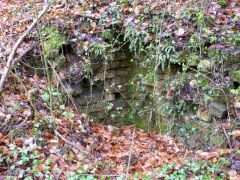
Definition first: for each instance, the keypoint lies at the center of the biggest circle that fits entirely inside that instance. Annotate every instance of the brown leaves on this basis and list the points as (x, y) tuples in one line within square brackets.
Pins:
[(180, 32), (236, 133), (149, 150), (214, 155)]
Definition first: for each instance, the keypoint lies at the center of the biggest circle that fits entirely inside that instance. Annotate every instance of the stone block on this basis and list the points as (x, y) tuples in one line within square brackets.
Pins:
[(157, 84), (116, 89), (193, 60), (122, 72), (109, 74), (203, 115), (116, 80), (119, 56), (119, 80), (218, 109), (95, 107), (235, 76), (205, 65), (74, 90), (109, 97), (90, 98), (98, 115), (120, 103), (119, 64)]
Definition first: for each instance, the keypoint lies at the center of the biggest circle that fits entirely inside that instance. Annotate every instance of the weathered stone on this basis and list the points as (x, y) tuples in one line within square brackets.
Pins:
[(227, 66), (122, 71), (109, 74), (119, 64), (99, 115), (53, 42), (234, 76), (116, 80), (90, 98), (236, 55), (119, 56), (120, 103), (172, 70), (109, 97), (203, 115), (95, 107), (119, 80), (218, 109), (205, 65), (193, 60), (74, 90)]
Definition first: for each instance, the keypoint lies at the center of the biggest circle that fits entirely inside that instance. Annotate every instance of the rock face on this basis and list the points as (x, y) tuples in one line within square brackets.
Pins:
[(111, 95)]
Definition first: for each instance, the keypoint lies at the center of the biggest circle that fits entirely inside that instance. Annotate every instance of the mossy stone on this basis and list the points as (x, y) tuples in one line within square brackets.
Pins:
[(218, 109), (193, 60), (53, 42), (217, 140), (205, 65), (235, 76)]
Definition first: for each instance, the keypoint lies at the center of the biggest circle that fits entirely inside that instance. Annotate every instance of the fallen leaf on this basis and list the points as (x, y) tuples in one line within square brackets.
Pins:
[(180, 32), (236, 133)]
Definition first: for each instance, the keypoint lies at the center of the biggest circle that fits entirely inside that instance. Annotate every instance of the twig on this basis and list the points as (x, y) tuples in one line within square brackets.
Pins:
[(22, 55), (10, 61), (24, 87), (12, 132), (129, 160), (69, 142), (64, 87), (227, 137)]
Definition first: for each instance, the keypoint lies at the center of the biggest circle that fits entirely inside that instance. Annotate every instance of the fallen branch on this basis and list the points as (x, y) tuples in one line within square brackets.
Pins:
[(69, 142), (10, 61), (227, 137)]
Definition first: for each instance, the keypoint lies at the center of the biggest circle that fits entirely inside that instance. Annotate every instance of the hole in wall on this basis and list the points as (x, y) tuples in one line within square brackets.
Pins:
[(66, 49), (118, 96), (235, 85)]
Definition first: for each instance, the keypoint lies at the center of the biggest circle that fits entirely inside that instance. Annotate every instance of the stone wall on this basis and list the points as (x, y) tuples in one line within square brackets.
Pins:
[(106, 98)]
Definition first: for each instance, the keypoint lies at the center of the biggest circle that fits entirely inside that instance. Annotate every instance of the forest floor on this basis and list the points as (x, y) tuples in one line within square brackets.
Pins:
[(30, 148)]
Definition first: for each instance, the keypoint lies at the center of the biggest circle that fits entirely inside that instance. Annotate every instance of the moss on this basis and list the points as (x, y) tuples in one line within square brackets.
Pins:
[(217, 140), (234, 76), (207, 22), (53, 43), (108, 35), (193, 60)]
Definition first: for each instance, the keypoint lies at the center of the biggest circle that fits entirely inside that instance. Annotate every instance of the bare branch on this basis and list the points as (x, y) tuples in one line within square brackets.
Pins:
[(10, 61)]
